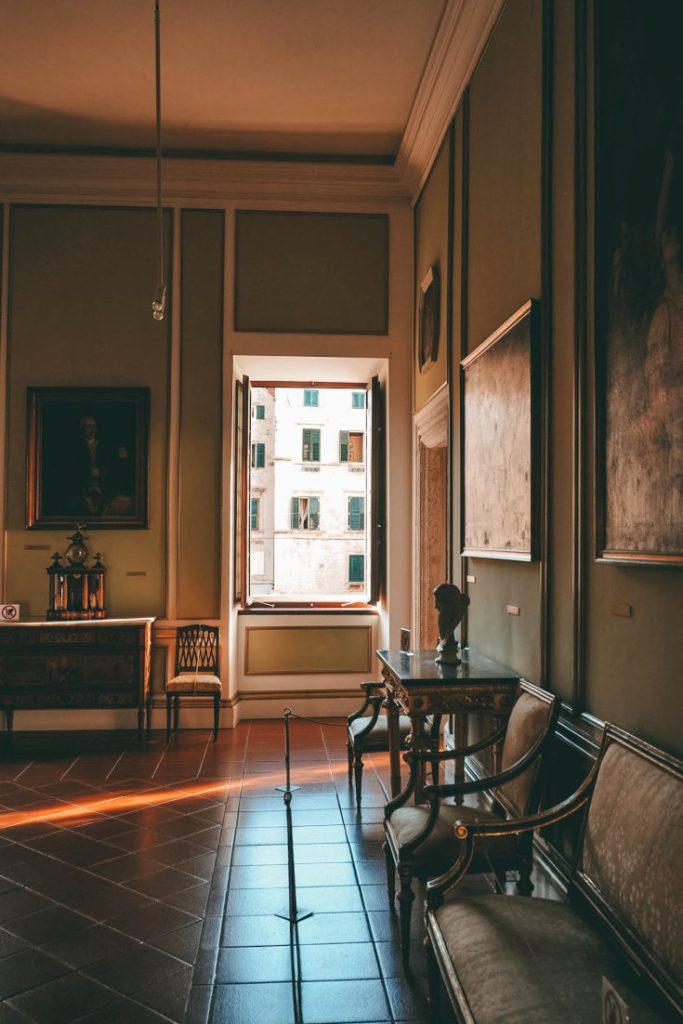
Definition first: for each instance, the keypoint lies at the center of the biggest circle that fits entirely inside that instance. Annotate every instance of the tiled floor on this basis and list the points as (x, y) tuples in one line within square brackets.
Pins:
[(142, 885)]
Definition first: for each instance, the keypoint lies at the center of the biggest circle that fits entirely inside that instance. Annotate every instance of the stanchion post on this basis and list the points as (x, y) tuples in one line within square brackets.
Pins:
[(293, 916)]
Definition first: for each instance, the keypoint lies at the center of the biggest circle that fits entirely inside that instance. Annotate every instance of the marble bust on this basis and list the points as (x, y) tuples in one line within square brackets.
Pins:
[(451, 604)]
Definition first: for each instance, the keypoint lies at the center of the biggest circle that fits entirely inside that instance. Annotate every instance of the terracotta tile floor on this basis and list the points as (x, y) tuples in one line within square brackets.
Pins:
[(142, 885)]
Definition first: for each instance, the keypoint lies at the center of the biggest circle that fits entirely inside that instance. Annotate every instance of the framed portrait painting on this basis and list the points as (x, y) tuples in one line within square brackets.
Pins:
[(500, 441), (639, 282), (87, 451)]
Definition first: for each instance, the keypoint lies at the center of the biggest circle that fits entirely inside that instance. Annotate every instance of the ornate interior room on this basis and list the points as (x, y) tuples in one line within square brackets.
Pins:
[(466, 213)]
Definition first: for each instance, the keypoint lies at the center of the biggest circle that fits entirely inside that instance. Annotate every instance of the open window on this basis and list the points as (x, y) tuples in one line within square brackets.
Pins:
[(311, 517)]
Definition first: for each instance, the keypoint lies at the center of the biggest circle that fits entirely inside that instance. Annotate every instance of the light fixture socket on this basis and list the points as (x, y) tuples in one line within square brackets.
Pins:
[(159, 303)]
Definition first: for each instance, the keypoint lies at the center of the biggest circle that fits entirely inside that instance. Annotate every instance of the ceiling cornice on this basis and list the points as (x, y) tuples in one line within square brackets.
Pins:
[(459, 42), (43, 177)]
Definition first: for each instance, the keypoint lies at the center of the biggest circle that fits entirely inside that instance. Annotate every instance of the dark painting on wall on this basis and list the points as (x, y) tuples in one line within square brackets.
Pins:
[(639, 295), (500, 453), (87, 457)]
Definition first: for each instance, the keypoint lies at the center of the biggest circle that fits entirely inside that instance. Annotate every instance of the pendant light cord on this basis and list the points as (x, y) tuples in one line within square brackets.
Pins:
[(159, 301)]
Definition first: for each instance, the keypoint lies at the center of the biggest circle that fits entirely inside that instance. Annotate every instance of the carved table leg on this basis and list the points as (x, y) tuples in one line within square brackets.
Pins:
[(460, 724), (394, 746)]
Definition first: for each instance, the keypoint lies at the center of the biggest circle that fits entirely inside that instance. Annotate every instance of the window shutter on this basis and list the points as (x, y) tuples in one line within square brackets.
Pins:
[(314, 513), (295, 513), (343, 446), (315, 444), (377, 436)]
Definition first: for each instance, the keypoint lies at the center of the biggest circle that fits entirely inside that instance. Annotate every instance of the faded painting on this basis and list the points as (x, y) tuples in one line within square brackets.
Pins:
[(498, 456), (639, 340)]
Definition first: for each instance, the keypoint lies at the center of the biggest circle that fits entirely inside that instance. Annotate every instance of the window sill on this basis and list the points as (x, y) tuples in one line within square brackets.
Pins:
[(309, 609)]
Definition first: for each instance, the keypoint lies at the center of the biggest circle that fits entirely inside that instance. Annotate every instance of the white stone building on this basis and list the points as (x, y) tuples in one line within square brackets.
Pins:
[(308, 499)]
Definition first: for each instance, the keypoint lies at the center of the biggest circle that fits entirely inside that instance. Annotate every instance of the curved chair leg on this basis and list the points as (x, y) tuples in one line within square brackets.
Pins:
[(169, 702), (358, 773), (216, 713), (391, 876), (405, 901), (349, 757)]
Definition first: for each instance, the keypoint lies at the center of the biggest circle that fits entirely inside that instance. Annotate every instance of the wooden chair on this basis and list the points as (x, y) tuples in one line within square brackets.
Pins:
[(368, 732), (420, 839), (196, 671)]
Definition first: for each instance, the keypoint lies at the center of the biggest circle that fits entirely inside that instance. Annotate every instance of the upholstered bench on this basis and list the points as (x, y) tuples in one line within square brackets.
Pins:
[(510, 960)]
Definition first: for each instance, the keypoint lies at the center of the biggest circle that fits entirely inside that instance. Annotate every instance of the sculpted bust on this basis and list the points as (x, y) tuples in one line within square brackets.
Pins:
[(451, 605)]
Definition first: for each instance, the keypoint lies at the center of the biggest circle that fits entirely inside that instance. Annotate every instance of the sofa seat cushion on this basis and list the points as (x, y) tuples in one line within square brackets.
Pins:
[(191, 682), (378, 738), (521, 960), (441, 846)]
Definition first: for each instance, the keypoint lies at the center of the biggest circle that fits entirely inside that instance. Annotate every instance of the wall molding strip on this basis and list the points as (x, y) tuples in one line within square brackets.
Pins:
[(4, 343), (459, 43)]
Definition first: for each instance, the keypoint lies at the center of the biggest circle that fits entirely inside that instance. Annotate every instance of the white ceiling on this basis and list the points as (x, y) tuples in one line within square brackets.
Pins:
[(238, 76)]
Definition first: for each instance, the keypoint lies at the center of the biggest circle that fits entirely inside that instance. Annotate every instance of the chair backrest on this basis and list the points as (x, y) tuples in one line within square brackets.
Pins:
[(532, 719), (197, 648), (631, 852)]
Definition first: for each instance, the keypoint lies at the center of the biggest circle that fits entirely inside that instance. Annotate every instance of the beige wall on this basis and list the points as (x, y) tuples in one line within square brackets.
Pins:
[(81, 282), (631, 668), (431, 249), (80, 287)]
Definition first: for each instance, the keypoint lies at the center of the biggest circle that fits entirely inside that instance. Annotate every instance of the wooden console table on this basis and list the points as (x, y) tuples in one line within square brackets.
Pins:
[(417, 686), (101, 663)]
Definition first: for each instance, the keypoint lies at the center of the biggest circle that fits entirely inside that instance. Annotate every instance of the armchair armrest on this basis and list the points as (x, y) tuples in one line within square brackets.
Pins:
[(491, 781), (434, 793), (450, 755), (369, 689), (469, 832)]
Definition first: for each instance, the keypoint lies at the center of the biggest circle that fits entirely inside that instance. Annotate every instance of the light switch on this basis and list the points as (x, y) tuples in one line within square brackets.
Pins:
[(513, 609), (624, 610)]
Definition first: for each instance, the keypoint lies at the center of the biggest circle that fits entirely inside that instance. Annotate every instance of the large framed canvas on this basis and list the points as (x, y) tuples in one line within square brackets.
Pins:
[(87, 457), (639, 282), (500, 459)]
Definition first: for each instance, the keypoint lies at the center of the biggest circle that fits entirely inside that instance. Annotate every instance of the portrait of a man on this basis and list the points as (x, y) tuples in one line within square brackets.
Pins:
[(87, 457)]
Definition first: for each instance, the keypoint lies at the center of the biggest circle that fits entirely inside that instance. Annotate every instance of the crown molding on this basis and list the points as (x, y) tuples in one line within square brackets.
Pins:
[(35, 177), (459, 42)]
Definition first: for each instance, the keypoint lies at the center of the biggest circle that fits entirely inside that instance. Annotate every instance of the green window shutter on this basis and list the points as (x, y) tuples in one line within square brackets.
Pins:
[(314, 513), (260, 455), (343, 446), (254, 513), (356, 514), (295, 513), (357, 399), (356, 568), (311, 397), (260, 412), (315, 444)]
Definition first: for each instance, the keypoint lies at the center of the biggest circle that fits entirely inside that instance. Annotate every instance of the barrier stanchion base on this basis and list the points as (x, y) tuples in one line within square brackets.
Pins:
[(301, 916), (286, 789)]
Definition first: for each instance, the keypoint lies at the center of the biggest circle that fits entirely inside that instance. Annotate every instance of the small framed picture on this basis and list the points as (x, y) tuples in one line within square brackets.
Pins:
[(405, 640), (428, 320)]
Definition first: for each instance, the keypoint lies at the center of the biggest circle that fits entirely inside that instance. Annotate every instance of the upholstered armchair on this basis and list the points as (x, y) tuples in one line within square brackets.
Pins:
[(420, 838), (368, 732), (196, 672)]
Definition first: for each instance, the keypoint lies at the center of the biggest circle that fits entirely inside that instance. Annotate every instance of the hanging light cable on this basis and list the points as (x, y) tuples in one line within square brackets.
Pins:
[(159, 300)]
